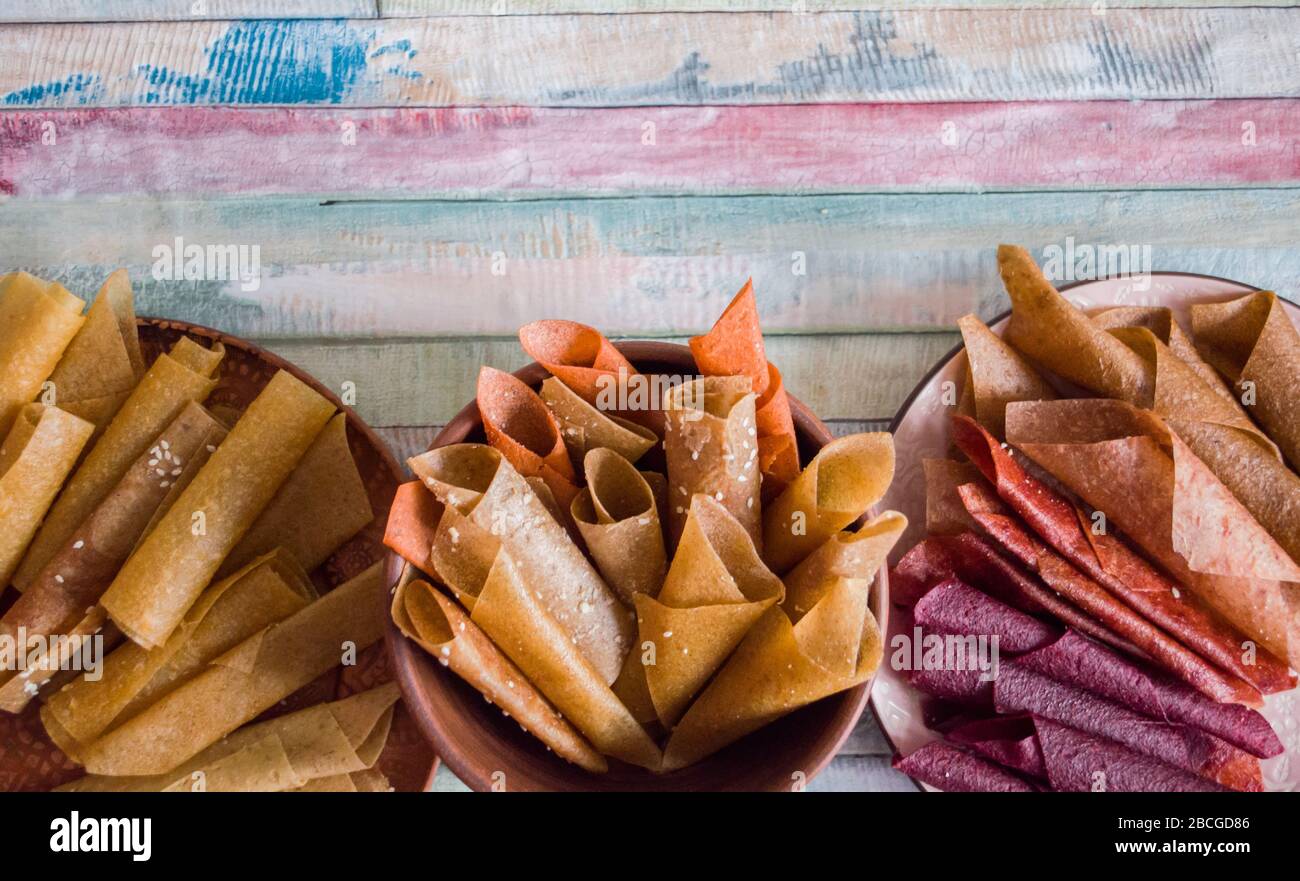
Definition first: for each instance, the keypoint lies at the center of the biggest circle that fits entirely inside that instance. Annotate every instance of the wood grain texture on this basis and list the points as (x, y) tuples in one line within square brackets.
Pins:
[(554, 153), (182, 10), (411, 8), (642, 267), (655, 59)]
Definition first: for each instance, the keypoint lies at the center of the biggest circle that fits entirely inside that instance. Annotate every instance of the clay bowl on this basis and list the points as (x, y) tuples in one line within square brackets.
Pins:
[(488, 751)]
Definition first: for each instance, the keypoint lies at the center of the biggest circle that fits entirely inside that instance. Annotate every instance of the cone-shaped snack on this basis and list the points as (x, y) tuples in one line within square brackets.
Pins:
[(265, 591), (711, 446), (633, 690), (38, 319), (1129, 466), (619, 521), (82, 569), (780, 667), (322, 505), (255, 675), (998, 375), (585, 428), (288, 752), (442, 629), (412, 522), (177, 378), (103, 362), (716, 589), (36, 457), (1160, 321), (519, 624), (579, 355), (173, 565), (1251, 340), (844, 479), (844, 555), (484, 488), (519, 424), (944, 512), (734, 347), (462, 554)]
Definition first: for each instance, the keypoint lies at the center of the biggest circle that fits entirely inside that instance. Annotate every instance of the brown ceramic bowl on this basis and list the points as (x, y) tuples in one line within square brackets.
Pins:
[(486, 750)]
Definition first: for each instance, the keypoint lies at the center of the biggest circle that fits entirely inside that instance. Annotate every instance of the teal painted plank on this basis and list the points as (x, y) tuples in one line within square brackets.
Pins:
[(181, 10)]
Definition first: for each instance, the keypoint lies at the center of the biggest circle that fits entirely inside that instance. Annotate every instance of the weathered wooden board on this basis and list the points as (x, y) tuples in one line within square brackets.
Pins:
[(183, 10), (552, 152), (670, 58), (398, 8), (644, 267)]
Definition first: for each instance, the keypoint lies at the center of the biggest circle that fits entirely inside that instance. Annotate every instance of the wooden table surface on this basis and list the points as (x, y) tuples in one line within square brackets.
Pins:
[(420, 177)]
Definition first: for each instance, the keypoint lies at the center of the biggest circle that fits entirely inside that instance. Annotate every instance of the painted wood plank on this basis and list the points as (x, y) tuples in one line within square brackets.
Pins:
[(413, 8), (554, 152), (184, 10), (643, 267), (669, 58)]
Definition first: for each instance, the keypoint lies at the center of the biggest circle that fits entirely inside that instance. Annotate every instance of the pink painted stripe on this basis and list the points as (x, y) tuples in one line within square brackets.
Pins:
[(537, 151)]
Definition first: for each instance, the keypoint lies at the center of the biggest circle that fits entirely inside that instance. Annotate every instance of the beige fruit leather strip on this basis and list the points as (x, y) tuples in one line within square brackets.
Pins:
[(317, 743), (711, 445), (780, 667), (584, 428), (267, 590), (38, 319), (103, 362), (443, 629), (998, 375), (1127, 464), (322, 505), (252, 677), (844, 479), (716, 588), (844, 555), (484, 488), (169, 570), (372, 780), (944, 512), (618, 518), (177, 378), (37, 455)]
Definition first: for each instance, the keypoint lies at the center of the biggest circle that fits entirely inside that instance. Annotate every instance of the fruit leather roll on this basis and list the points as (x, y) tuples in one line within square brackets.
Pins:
[(103, 362), (711, 447), (485, 490), (781, 666), (37, 455), (1077, 661), (38, 319), (372, 780), (441, 627), (412, 522), (618, 517), (242, 683), (948, 768), (998, 375), (716, 589), (944, 512), (734, 347), (288, 752), (1110, 562), (1128, 465), (593, 367), (177, 378), (166, 574), (265, 591), (1251, 340), (957, 608), (1080, 762), (846, 554), (844, 479), (1007, 740), (519, 424), (322, 505), (585, 428)]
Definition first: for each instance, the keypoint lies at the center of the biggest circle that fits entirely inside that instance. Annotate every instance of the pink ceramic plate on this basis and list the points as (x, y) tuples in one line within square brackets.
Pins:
[(921, 431)]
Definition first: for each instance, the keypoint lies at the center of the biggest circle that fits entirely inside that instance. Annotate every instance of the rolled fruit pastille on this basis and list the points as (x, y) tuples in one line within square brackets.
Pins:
[(716, 588), (857, 554), (998, 375), (38, 319), (267, 590), (441, 627), (169, 570), (412, 523), (250, 678), (179, 377), (711, 444), (484, 488), (288, 752), (37, 455), (844, 479), (585, 428), (618, 518), (519, 424)]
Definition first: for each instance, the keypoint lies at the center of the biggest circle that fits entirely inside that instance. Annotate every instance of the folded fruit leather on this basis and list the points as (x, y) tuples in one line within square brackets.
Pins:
[(1007, 740), (957, 608), (519, 424), (38, 319), (946, 767), (412, 524), (998, 374), (1107, 560), (1080, 762)]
